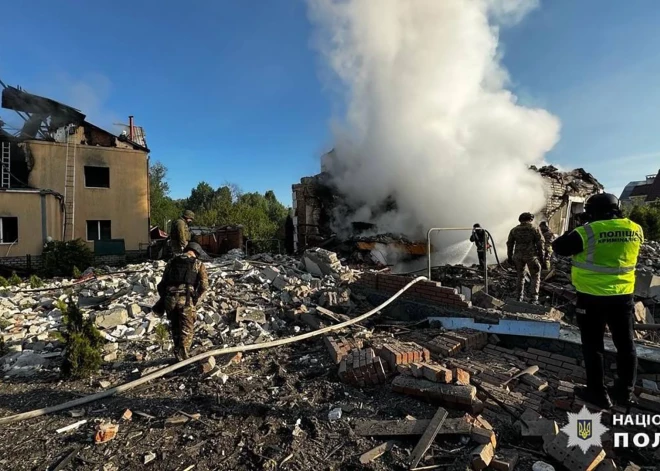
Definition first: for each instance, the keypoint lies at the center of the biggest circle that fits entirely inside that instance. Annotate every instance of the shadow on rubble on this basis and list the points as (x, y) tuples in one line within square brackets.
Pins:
[(158, 407)]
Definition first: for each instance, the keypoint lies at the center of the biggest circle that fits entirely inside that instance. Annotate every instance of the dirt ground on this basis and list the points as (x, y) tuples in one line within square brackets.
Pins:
[(247, 423)]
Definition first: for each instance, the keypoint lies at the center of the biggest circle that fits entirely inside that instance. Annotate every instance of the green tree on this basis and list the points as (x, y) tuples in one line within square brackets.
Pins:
[(163, 208), (647, 216)]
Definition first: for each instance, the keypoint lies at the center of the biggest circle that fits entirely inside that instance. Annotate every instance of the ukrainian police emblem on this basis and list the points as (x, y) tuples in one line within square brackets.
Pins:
[(584, 429)]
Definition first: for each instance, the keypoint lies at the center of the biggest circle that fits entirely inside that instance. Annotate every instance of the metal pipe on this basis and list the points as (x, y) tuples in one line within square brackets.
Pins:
[(428, 250), (130, 127)]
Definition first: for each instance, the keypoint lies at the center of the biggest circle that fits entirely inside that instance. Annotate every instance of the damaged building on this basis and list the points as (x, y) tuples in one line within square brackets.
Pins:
[(315, 201), (64, 178), (566, 193)]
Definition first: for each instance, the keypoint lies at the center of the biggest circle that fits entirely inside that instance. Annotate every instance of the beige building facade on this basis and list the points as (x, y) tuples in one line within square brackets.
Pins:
[(76, 182)]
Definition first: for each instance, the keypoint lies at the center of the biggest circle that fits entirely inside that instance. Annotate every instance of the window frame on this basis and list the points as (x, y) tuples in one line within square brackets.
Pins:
[(98, 229), (2, 222), (85, 167)]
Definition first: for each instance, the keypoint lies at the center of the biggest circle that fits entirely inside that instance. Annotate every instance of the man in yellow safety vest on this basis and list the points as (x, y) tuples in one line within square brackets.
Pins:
[(604, 252)]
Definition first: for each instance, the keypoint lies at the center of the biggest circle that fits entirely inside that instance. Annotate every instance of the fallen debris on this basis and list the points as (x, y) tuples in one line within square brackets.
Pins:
[(105, 432), (427, 437), (375, 453), (73, 426)]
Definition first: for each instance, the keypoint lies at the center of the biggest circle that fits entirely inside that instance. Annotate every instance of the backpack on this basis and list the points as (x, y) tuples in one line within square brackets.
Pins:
[(182, 271)]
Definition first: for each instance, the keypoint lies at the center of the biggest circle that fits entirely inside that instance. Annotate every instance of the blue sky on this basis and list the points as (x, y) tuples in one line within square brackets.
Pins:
[(229, 91)]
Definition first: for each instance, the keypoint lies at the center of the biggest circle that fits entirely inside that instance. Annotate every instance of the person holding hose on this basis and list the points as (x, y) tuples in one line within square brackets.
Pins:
[(605, 251)]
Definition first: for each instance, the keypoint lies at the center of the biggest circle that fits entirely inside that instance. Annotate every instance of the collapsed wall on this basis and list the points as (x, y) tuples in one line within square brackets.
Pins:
[(566, 193)]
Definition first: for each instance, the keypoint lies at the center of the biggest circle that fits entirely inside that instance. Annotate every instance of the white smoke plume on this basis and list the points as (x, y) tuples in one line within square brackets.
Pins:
[(426, 116)]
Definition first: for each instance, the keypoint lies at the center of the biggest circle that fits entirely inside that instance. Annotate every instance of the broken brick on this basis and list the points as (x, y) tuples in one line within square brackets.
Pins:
[(504, 463), (362, 368), (436, 373), (482, 456), (483, 436), (105, 432), (460, 376), (207, 365)]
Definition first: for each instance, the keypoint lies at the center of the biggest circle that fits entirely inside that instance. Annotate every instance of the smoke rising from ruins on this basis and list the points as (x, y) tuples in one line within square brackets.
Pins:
[(426, 116)]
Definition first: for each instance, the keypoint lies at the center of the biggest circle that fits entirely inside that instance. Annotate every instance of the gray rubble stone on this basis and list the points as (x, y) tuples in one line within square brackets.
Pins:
[(111, 318), (29, 359), (279, 283), (134, 310), (110, 347), (270, 273), (110, 357)]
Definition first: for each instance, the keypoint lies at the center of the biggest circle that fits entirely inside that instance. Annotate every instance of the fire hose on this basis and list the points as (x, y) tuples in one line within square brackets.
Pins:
[(223, 351)]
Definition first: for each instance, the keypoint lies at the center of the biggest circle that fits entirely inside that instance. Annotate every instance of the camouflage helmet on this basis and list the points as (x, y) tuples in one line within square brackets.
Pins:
[(526, 217), (188, 214), (195, 247), (199, 251)]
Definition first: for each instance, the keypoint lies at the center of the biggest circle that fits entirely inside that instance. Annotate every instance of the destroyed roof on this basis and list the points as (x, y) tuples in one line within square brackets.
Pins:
[(549, 171), (19, 100), (61, 115)]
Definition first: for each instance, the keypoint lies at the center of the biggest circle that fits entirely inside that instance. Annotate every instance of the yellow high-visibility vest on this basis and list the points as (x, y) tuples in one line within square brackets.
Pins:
[(606, 266)]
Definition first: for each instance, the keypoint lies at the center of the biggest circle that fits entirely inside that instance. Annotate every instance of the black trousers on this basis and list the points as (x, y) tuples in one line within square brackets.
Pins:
[(482, 257), (618, 313)]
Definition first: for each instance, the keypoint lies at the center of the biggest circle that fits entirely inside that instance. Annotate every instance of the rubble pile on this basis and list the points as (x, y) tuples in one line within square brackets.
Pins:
[(249, 301), (526, 392), (649, 258)]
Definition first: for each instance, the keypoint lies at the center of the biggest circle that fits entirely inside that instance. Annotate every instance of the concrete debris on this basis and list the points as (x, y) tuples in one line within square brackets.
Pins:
[(111, 318), (249, 300), (542, 466), (334, 414)]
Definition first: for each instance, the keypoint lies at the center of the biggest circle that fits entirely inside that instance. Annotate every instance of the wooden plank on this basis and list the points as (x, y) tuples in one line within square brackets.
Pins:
[(394, 428), (427, 437), (530, 370), (374, 453)]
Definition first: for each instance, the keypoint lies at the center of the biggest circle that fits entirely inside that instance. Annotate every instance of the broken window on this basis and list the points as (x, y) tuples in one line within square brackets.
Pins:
[(8, 230), (98, 230), (97, 177)]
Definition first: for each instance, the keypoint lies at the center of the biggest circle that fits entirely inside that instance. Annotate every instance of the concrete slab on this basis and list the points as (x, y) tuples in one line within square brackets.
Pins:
[(504, 326)]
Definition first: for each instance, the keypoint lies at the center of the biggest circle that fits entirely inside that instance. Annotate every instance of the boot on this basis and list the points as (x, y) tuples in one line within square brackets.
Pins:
[(601, 400), (535, 300), (621, 396)]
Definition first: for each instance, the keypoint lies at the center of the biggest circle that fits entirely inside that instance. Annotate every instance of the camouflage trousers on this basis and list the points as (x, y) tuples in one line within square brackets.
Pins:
[(181, 315), (534, 266)]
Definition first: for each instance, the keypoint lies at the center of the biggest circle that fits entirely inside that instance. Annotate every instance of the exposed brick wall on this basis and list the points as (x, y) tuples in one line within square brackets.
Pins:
[(136, 256), (25, 262), (110, 260), (427, 291)]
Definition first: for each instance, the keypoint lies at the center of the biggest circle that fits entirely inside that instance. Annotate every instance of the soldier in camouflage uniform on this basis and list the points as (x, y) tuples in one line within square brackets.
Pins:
[(525, 249), (184, 281), (548, 238), (180, 235)]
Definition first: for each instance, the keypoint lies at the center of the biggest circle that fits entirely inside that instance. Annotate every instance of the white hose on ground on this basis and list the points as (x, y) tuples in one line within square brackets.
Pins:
[(201, 356)]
